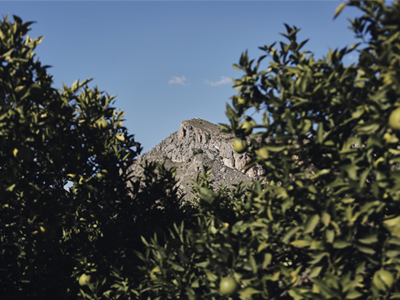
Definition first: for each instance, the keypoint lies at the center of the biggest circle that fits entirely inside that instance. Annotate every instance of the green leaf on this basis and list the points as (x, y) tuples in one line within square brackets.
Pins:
[(231, 114), (289, 234), (267, 260), (358, 112), (238, 67), (262, 246), (315, 271), (339, 9), (393, 225), (392, 253), (326, 219), (320, 133), (273, 148), (247, 292), (352, 47), (369, 238), (317, 245), (363, 177), (368, 129), (320, 173), (296, 294), (353, 294), (211, 276), (318, 257), (7, 54), (330, 235), (253, 264), (144, 241), (394, 241), (177, 267), (203, 264), (293, 70), (340, 244), (312, 189), (75, 86), (311, 223), (366, 250), (323, 287), (395, 295), (140, 255), (300, 243), (351, 170)]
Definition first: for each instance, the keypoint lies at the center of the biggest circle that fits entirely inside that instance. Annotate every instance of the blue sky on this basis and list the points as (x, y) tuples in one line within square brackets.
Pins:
[(170, 61)]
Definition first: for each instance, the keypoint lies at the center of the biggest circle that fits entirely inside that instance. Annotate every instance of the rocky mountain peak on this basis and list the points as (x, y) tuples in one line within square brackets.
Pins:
[(196, 143)]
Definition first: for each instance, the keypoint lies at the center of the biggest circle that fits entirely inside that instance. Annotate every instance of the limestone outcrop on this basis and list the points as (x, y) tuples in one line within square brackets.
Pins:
[(196, 143)]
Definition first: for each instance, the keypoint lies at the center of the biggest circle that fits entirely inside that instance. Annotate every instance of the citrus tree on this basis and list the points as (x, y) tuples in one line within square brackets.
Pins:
[(327, 223), (68, 220)]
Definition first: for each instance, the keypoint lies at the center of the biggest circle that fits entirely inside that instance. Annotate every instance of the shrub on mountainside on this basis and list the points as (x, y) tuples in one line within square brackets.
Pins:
[(327, 226)]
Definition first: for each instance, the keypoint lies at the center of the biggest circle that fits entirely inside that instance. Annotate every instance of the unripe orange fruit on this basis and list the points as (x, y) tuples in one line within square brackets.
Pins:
[(248, 126), (84, 279), (240, 145), (394, 119), (228, 286), (263, 153)]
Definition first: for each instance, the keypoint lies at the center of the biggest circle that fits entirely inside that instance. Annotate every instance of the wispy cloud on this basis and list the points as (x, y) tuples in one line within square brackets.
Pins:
[(178, 80), (224, 80), (352, 57)]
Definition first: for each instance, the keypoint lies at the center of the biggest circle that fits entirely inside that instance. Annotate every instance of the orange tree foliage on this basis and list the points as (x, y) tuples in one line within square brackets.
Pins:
[(51, 232), (327, 226)]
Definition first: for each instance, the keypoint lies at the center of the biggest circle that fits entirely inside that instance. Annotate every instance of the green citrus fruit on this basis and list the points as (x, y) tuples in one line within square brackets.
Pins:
[(240, 145), (228, 286), (247, 126), (84, 279), (263, 153), (394, 119), (153, 274)]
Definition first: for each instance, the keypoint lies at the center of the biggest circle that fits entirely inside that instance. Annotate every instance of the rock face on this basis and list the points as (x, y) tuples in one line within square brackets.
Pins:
[(196, 143)]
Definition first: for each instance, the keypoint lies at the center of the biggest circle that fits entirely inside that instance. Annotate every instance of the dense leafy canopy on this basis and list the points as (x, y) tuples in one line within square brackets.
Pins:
[(51, 233), (324, 225)]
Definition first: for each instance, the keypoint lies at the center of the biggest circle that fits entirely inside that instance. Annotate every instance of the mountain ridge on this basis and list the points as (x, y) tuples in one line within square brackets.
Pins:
[(196, 143)]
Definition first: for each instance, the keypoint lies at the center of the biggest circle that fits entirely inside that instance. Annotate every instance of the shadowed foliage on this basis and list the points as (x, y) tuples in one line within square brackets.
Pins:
[(325, 226)]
